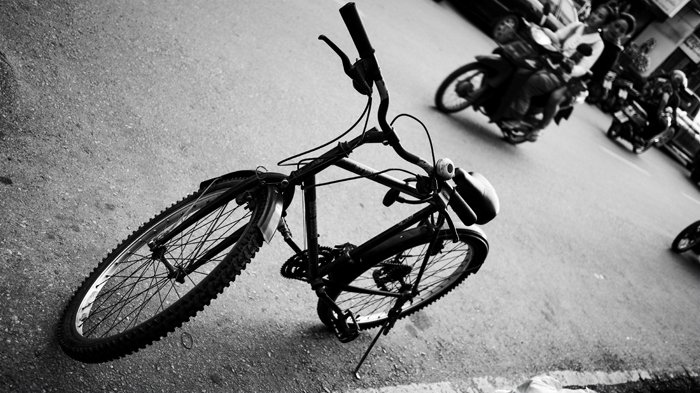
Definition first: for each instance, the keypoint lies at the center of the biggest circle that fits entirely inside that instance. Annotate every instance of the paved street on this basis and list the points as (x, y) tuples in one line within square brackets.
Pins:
[(128, 105)]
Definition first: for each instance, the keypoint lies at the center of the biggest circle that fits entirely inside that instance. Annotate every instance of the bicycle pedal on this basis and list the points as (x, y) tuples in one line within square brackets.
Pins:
[(344, 331)]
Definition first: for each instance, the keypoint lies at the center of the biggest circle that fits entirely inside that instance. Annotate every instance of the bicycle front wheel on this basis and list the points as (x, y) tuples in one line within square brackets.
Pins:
[(397, 264), (147, 287)]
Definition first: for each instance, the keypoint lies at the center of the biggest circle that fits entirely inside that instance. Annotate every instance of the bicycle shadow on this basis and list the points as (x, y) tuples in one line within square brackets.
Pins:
[(249, 354), (280, 355)]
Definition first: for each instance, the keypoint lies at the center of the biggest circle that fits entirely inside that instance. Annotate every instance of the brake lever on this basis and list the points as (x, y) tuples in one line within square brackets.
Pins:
[(347, 66), (356, 72)]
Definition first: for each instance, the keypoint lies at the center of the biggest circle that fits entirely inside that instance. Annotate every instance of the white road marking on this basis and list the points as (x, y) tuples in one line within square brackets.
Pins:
[(624, 160), (691, 198)]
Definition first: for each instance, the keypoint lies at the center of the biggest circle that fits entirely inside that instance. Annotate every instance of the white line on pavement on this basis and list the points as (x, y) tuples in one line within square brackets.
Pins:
[(620, 158), (691, 198)]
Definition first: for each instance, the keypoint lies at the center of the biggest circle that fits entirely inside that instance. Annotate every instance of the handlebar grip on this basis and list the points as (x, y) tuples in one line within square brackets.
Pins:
[(357, 31)]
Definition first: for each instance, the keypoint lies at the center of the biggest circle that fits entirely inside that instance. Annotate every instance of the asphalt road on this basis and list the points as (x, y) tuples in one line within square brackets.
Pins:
[(126, 106)]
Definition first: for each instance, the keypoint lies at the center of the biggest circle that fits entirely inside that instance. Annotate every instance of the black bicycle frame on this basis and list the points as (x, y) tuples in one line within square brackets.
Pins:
[(306, 178)]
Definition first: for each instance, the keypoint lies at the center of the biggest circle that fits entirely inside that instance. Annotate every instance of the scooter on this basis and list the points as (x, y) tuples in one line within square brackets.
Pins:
[(619, 91), (631, 119), (482, 84)]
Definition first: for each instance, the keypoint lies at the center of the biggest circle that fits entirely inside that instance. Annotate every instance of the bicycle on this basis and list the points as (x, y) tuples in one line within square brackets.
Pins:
[(171, 267)]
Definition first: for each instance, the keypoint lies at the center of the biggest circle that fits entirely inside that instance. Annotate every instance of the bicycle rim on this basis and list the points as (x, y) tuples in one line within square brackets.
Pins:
[(134, 298), (449, 264)]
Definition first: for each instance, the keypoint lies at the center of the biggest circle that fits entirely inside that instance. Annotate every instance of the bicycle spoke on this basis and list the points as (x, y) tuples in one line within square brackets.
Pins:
[(441, 270)]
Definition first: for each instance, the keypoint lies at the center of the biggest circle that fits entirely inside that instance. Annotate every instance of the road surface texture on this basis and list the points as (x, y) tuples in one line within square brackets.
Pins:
[(119, 108)]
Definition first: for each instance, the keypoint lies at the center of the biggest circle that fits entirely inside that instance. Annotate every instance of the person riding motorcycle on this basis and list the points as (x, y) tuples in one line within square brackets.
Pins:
[(547, 82), (662, 93)]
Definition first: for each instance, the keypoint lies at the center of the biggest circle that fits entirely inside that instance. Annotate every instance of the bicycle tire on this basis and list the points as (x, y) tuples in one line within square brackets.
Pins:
[(129, 301), (449, 85), (372, 310), (687, 239)]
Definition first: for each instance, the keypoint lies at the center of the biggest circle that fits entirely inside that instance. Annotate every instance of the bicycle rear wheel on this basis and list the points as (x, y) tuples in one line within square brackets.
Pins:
[(141, 292), (397, 263)]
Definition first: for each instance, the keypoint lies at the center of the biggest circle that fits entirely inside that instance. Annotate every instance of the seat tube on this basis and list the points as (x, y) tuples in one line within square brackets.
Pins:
[(311, 230)]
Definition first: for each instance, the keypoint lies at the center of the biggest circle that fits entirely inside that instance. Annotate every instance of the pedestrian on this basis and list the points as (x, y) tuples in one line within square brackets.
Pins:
[(613, 36)]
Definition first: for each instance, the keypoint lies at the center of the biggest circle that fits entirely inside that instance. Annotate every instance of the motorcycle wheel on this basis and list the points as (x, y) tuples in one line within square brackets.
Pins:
[(447, 99), (637, 149), (687, 239), (614, 130), (515, 136), (695, 175), (665, 138)]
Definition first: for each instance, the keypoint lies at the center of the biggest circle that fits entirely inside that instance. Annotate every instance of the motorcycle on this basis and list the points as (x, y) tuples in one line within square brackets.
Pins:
[(688, 239), (482, 84), (631, 120), (600, 92), (619, 91)]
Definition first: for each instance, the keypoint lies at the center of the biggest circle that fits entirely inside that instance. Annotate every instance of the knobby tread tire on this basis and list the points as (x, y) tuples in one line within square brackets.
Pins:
[(477, 241), (157, 327)]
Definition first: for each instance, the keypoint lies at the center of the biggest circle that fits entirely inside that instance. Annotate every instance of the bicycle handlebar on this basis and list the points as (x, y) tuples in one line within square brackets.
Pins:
[(357, 31), (364, 48)]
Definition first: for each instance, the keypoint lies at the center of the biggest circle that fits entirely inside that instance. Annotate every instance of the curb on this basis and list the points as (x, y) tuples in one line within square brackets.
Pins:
[(679, 380)]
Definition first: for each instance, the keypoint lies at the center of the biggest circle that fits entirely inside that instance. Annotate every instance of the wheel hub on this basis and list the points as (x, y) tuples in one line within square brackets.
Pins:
[(464, 88)]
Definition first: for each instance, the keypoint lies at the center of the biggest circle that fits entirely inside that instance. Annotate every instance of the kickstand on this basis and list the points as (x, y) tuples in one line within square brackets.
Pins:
[(369, 349), (393, 316)]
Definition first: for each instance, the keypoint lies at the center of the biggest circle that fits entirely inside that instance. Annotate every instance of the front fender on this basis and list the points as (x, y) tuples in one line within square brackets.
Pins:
[(272, 213), (277, 197)]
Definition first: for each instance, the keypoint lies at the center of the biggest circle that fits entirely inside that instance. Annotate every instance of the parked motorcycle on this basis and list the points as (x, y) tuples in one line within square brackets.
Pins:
[(688, 239), (630, 122), (482, 84)]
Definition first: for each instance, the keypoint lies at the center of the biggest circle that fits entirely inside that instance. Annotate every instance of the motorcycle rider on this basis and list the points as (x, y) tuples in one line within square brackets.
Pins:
[(546, 82), (660, 96)]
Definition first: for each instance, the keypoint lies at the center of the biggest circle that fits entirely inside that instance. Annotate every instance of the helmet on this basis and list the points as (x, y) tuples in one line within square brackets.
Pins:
[(679, 79)]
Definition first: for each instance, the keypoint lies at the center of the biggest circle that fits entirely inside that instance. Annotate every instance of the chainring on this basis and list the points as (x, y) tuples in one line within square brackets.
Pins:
[(296, 267)]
